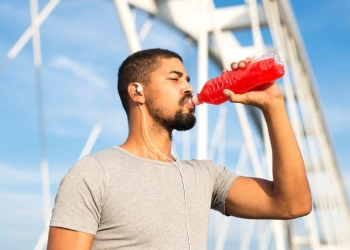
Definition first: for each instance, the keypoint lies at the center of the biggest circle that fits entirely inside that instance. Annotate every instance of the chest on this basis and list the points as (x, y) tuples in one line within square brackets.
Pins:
[(149, 205)]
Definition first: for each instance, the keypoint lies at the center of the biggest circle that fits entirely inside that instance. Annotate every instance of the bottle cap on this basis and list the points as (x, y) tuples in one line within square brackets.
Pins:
[(195, 100)]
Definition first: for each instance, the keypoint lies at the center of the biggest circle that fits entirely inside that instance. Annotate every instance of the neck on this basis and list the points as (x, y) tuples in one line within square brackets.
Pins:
[(149, 147), (148, 140)]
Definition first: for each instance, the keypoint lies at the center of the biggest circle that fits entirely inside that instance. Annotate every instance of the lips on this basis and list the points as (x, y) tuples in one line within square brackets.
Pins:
[(189, 101)]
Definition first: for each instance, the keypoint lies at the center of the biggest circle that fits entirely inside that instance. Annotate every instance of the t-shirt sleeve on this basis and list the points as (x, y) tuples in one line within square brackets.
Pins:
[(223, 179), (80, 197)]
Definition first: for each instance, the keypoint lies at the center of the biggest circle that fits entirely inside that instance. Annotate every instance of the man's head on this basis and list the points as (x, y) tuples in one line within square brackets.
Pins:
[(138, 68), (166, 90)]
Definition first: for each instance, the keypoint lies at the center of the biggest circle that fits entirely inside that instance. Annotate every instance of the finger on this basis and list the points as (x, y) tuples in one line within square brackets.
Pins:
[(248, 60), (241, 64), (234, 65), (224, 71), (236, 98)]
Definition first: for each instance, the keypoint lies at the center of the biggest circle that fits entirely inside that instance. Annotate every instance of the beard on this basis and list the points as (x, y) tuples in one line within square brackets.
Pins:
[(181, 121)]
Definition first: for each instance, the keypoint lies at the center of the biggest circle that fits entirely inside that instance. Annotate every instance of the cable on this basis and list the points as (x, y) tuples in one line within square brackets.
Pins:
[(178, 166), (185, 194)]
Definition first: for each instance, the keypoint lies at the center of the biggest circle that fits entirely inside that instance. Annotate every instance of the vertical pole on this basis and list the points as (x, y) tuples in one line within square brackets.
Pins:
[(202, 129), (41, 122), (128, 24), (34, 11)]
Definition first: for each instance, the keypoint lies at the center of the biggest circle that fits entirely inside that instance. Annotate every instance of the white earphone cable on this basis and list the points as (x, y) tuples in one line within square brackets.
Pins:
[(178, 166), (185, 194)]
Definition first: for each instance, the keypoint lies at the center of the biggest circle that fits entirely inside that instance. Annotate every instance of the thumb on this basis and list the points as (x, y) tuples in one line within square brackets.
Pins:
[(234, 97)]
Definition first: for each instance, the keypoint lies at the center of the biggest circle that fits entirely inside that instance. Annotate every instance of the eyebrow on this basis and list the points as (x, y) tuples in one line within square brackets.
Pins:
[(180, 74)]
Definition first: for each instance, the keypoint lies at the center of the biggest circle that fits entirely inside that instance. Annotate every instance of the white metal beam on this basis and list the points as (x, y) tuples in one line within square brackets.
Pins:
[(30, 31), (45, 179), (128, 24)]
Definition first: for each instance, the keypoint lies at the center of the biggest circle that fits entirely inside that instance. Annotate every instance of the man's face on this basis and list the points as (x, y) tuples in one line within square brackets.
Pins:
[(168, 96)]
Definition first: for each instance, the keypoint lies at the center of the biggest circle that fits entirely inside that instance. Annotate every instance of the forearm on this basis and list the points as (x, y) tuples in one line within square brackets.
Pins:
[(291, 189)]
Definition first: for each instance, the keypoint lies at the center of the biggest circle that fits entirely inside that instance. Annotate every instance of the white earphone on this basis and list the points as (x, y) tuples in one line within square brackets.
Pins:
[(139, 87)]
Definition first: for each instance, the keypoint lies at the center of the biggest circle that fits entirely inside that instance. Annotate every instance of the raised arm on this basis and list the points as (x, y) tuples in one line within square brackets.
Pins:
[(288, 195), (63, 239)]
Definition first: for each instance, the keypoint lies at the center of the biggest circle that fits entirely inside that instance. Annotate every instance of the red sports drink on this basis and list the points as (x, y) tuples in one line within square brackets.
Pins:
[(265, 69)]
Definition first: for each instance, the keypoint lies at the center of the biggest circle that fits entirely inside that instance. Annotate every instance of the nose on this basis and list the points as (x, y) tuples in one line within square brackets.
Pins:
[(188, 89)]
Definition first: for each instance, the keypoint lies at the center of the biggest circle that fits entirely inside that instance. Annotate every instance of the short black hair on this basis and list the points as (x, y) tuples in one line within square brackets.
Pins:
[(138, 68)]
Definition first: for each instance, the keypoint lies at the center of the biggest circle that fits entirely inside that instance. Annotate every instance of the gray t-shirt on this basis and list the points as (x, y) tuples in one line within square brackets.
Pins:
[(129, 202)]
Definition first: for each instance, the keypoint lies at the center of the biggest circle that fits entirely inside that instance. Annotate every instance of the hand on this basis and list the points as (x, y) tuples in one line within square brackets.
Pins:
[(260, 97)]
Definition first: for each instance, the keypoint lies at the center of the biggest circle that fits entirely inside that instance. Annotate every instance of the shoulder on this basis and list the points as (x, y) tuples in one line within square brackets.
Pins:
[(210, 168), (112, 155), (199, 163), (204, 165), (110, 162), (99, 161), (93, 166), (106, 155)]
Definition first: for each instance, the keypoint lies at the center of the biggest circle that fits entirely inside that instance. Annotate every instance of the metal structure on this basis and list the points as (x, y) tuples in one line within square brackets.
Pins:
[(327, 227), (213, 29)]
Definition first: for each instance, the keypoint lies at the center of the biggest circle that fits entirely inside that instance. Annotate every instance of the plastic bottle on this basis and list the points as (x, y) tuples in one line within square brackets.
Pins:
[(265, 69)]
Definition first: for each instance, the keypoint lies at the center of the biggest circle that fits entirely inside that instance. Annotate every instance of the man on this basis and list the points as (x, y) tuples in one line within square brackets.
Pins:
[(140, 196)]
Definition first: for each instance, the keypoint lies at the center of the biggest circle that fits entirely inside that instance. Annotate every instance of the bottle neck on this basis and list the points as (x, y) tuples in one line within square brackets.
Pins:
[(195, 100)]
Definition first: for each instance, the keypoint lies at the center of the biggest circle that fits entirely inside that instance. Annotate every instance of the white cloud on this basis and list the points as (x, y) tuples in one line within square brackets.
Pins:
[(84, 72), (22, 219), (21, 209), (25, 176), (89, 26), (78, 98), (14, 176)]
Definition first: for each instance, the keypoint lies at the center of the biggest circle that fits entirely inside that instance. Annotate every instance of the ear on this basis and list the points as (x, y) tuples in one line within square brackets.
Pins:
[(135, 95)]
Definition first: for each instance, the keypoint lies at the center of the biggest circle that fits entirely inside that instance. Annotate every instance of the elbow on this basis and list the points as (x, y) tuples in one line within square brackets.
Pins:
[(298, 210), (298, 205), (308, 207)]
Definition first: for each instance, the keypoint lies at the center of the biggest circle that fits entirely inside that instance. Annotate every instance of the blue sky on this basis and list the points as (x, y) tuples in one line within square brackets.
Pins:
[(82, 48)]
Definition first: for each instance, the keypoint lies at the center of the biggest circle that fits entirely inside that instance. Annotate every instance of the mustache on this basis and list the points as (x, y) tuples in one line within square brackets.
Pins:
[(185, 98)]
